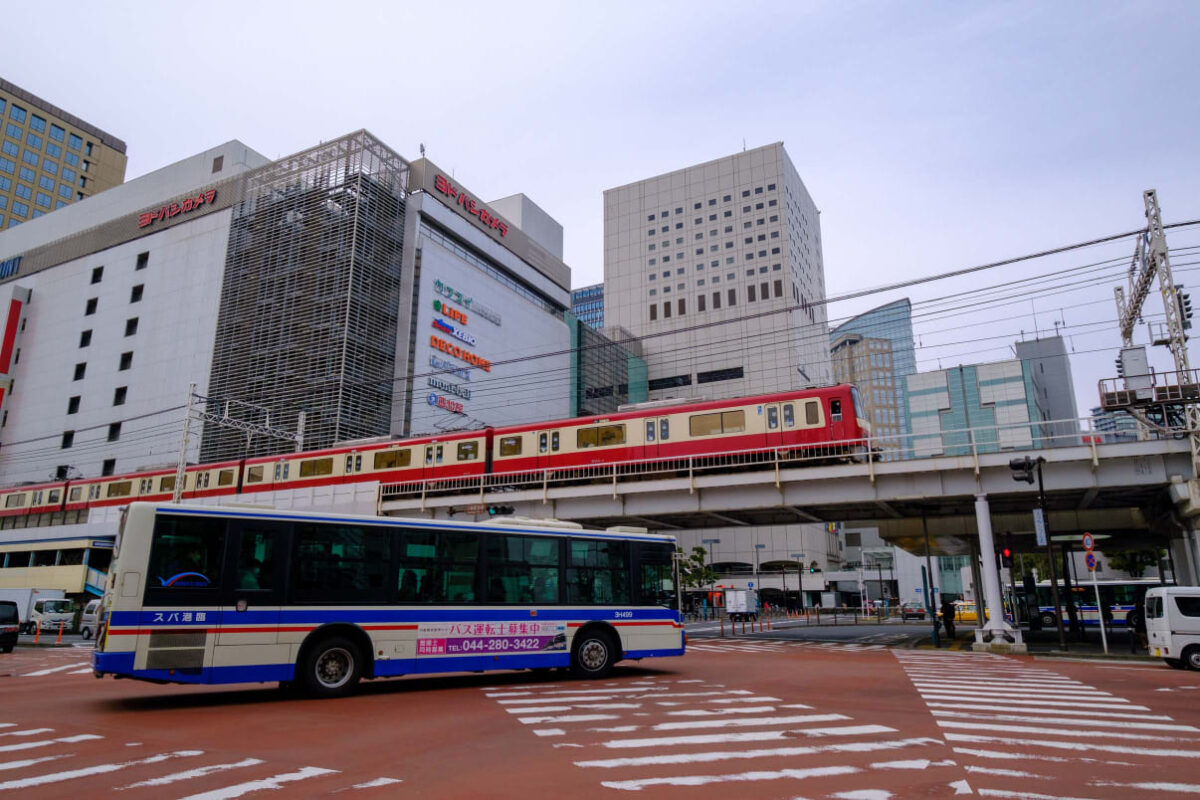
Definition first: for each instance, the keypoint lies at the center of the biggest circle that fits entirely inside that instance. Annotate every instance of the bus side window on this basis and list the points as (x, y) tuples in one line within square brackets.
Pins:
[(835, 410)]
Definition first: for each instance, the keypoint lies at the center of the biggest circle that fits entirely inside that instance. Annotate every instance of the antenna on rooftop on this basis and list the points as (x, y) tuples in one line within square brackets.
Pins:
[(422, 149)]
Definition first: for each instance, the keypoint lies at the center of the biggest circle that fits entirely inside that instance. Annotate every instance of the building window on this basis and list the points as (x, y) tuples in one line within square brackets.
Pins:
[(700, 303), (653, 312), (135, 296), (732, 297), (110, 466), (716, 298), (97, 274), (131, 326), (681, 304), (778, 287), (114, 432), (68, 439), (218, 163), (143, 260), (667, 310), (119, 395), (80, 369), (126, 361), (749, 294), (85, 338), (73, 404)]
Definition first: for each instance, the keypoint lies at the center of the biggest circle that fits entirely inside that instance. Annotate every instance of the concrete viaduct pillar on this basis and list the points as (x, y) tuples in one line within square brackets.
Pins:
[(994, 632)]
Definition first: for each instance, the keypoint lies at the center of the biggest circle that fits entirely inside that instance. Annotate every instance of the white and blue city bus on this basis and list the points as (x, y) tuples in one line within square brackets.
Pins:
[(206, 594)]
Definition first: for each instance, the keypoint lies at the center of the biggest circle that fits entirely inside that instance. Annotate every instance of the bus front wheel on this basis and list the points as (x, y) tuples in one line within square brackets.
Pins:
[(593, 654), (331, 667)]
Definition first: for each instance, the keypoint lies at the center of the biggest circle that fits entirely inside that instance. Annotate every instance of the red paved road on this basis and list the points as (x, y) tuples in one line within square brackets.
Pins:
[(732, 720)]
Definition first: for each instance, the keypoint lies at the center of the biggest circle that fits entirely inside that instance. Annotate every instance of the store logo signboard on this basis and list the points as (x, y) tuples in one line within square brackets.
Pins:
[(446, 327), (450, 368), (445, 403), (466, 301), (9, 267), (188, 204), (464, 201)]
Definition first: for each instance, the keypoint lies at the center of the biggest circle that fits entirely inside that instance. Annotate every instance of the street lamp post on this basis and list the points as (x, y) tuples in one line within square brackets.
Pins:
[(1022, 469), (799, 577), (757, 582), (713, 580)]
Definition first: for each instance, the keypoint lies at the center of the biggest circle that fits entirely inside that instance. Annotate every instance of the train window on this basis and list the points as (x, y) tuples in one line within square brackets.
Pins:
[(358, 463), (733, 421), (554, 441), (286, 466), (664, 429), (772, 417), (812, 413), (704, 424), (650, 430), (349, 464), (433, 457), (225, 478), (316, 466), (54, 495), (14, 500), (541, 443), (120, 489), (74, 494), (789, 415), (603, 436), (390, 459), (835, 410), (468, 451), (277, 471), (166, 484), (207, 476), (511, 445), (254, 475)]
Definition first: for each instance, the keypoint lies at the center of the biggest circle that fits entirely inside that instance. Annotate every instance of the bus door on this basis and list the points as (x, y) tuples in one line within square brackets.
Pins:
[(549, 445), (837, 415), (658, 436), (773, 415), (253, 595)]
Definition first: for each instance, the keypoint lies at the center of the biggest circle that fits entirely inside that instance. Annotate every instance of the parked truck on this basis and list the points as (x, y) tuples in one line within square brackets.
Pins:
[(741, 604), (49, 607)]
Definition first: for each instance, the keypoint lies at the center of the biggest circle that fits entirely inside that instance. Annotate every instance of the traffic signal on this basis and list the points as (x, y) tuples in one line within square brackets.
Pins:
[(1005, 557), (1022, 468), (1184, 302), (499, 511)]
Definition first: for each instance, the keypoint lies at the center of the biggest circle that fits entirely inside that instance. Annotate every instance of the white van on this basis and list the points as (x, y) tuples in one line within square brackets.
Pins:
[(1173, 625), (90, 619)]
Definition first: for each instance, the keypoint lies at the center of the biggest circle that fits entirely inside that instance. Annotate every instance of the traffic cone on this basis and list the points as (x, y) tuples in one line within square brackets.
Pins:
[(60, 630), (38, 633)]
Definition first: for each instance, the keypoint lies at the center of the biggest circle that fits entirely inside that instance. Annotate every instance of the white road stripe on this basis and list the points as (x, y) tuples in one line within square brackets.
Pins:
[(1111, 702), (716, 712), (748, 723), (775, 752), (1079, 746), (550, 732), (41, 672), (744, 700), (588, 706), (568, 718), (273, 782), (376, 782), (1005, 773), (1010, 756), (84, 671), (702, 780), (545, 700), (1150, 726), (99, 769), (28, 732), (83, 737), (1153, 786), (752, 736), (1058, 731), (29, 762), (1040, 708), (1003, 691), (1028, 795), (199, 772), (971, 698)]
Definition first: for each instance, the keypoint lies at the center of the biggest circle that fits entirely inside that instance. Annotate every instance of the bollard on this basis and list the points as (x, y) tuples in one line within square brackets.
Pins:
[(60, 630), (768, 623), (722, 627), (743, 626), (38, 632)]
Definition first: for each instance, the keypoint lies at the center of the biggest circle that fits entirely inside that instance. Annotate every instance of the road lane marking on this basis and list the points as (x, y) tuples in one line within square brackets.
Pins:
[(28, 732), (83, 737), (1006, 773), (1150, 726), (1041, 708), (29, 762), (376, 782), (774, 752), (703, 780), (98, 769), (716, 712), (1153, 786), (589, 706), (199, 772), (754, 736), (549, 732), (975, 698), (748, 723), (1058, 731), (1078, 746), (41, 672), (274, 782), (568, 718)]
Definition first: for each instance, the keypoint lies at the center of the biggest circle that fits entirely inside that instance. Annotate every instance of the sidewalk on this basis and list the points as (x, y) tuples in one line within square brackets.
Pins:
[(1045, 642)]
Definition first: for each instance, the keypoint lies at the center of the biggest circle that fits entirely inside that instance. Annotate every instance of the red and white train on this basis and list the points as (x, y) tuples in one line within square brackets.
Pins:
[(829, 421)]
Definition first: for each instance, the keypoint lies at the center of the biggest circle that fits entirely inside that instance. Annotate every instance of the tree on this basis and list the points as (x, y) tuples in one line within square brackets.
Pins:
[(1134, 561), (694, 572)]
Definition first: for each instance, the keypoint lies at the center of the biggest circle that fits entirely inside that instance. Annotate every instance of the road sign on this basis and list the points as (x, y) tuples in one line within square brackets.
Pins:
[(1091, 561), (919, 590), (750, 584), (1089, 542), (1039, 524)]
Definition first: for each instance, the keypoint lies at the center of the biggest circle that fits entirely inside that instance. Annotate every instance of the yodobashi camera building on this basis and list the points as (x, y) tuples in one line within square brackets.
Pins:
[(378, 297)]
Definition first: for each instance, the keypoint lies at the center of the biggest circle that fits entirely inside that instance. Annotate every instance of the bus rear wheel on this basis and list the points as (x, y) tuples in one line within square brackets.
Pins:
[(1191, 657), (592, 654), (1048, 620), (331, 668)]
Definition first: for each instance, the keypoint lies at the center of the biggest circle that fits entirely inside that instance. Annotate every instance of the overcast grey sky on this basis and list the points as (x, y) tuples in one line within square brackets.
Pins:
[(932, 136)]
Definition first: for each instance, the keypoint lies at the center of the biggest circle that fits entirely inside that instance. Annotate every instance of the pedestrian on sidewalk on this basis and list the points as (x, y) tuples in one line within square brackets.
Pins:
[(948, 619)]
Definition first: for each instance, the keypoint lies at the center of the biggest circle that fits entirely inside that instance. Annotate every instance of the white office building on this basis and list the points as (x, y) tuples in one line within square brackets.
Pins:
[(718, 268)]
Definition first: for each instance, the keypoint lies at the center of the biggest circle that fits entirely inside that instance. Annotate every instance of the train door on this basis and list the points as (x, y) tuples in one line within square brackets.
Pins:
[(774, 424), (548, 446), (788, 413), (837, 414), (658, 437), (434, 458)]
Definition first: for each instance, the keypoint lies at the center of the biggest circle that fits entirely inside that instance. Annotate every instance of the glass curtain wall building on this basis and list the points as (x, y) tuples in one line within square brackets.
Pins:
[(892, 322)]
